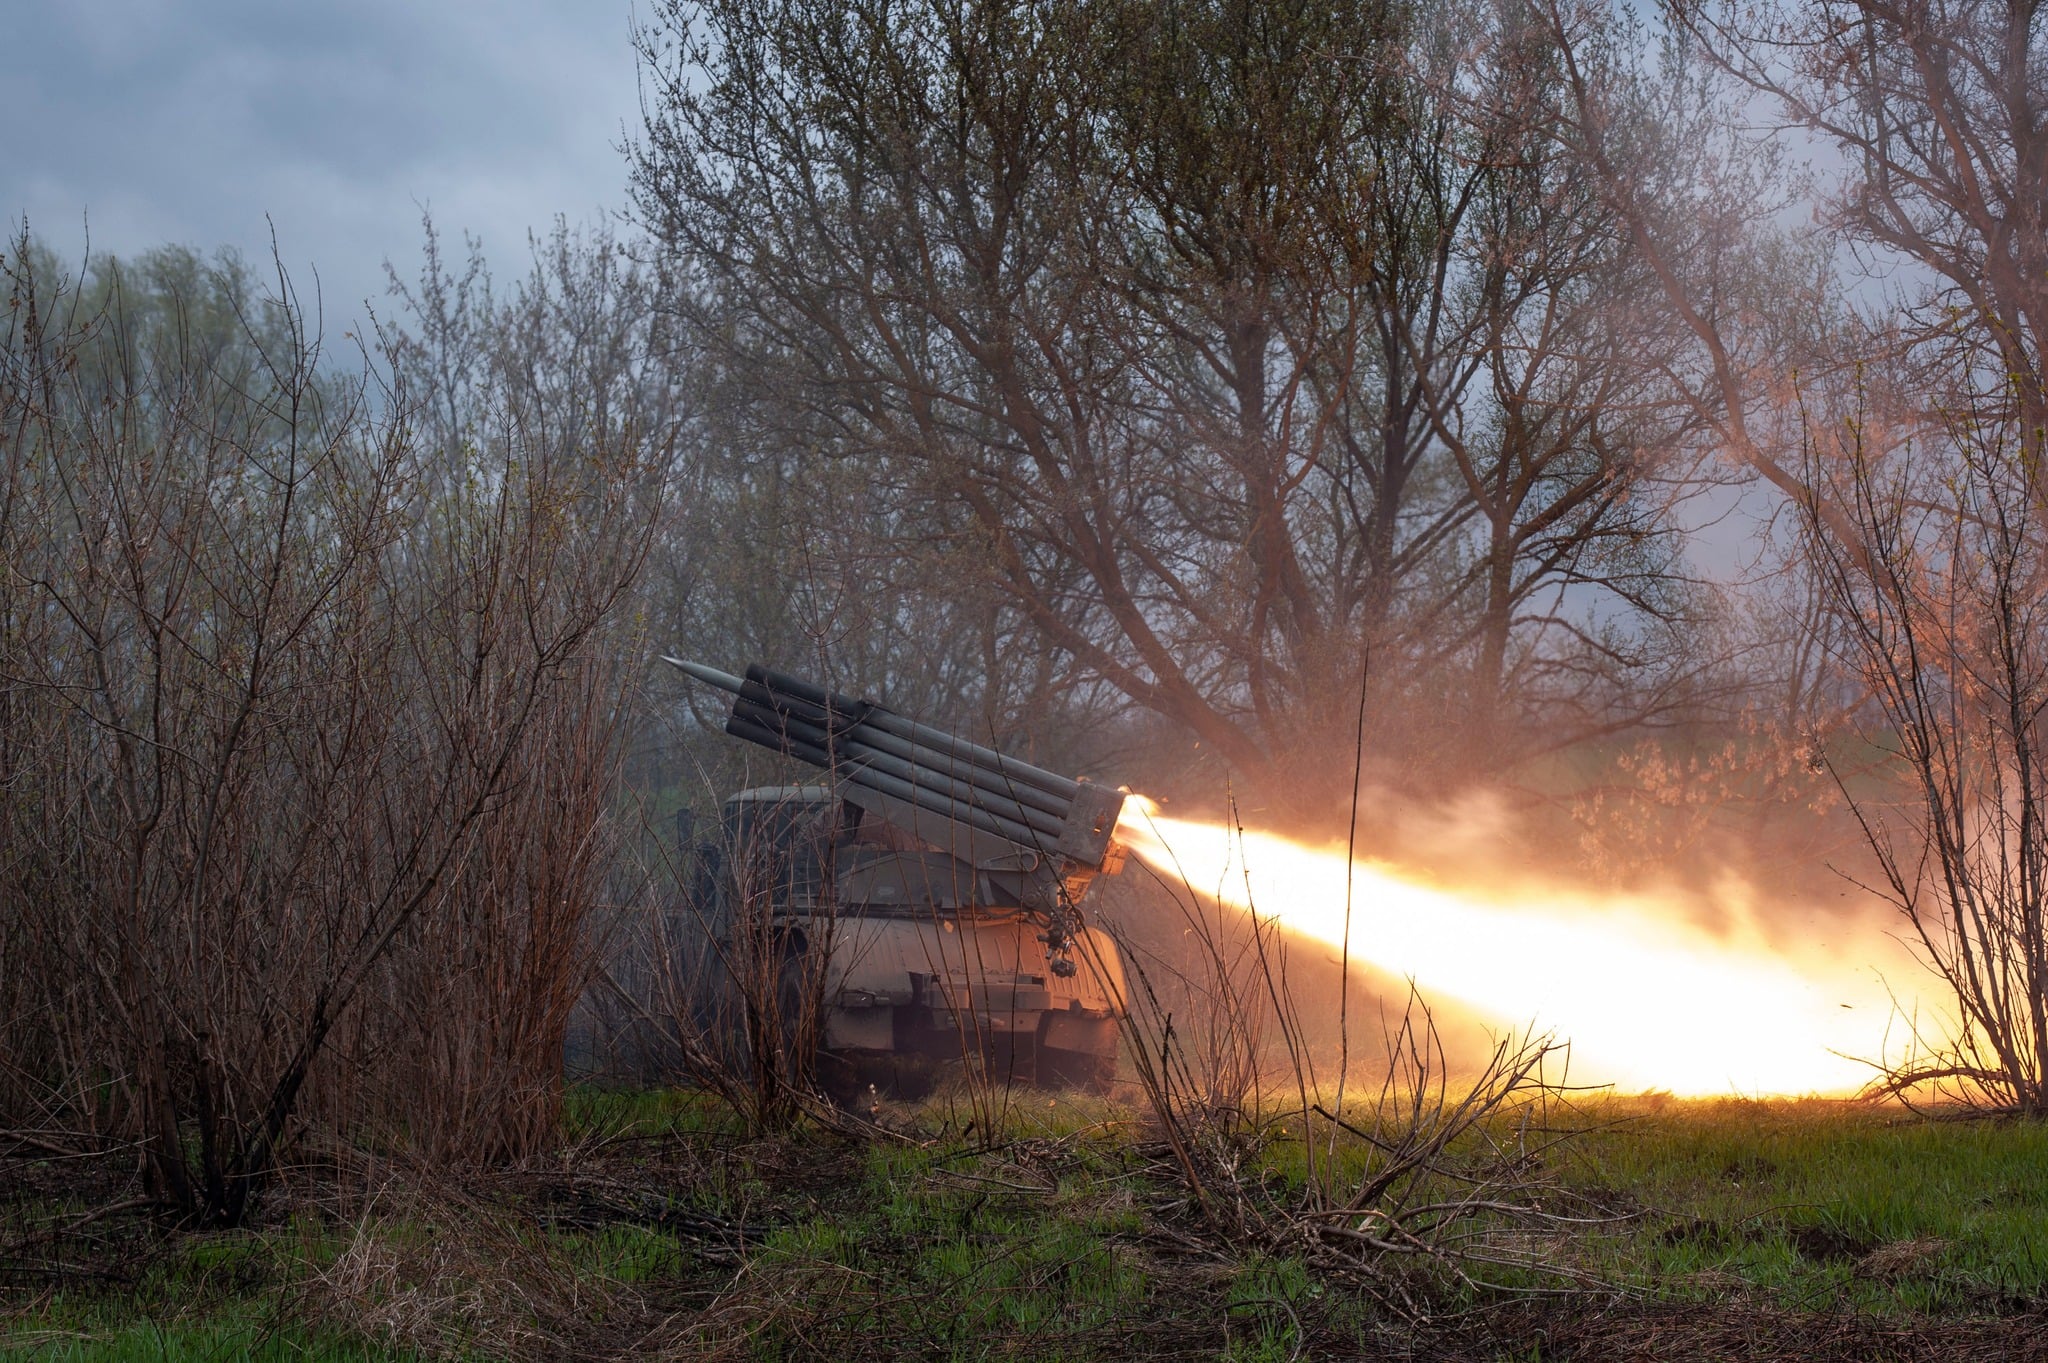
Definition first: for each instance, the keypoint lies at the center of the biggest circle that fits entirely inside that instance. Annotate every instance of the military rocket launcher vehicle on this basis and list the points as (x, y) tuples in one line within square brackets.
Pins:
[(928, 897)]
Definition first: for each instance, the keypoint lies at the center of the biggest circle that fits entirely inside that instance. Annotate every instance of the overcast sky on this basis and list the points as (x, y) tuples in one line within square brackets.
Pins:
[(190, 120)]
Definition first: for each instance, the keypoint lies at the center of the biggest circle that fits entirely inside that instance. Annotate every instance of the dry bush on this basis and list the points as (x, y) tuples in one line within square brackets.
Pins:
[(1453, 1177), (475, 1008), (1206, 986), (1436, 1176), (310, 732), (427, 1270), (1946, 625), (708, 981)]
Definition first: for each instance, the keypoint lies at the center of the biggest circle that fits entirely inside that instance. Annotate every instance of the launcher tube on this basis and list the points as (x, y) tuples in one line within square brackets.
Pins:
[(883, 783), (997, 773), (938, 739), (954, 780), (854, 749), (976, 783), (931, 802)]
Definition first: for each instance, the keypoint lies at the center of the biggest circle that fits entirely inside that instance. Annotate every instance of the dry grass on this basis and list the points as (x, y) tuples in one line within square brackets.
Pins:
[(668, 1230), (448, 1276)]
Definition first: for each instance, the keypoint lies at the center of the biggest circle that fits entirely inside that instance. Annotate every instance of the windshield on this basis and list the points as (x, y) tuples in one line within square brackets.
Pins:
[(781, 846)]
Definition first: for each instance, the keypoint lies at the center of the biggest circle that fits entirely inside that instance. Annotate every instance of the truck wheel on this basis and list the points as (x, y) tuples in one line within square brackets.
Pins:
[(809, 1062), (1083, 1070), (800, 1043)]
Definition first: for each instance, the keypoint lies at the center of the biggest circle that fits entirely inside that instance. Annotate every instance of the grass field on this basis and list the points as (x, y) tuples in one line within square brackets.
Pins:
[(1718, 1230)]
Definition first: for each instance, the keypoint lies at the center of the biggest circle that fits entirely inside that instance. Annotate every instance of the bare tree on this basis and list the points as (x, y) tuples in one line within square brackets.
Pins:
[(1939, 112), (1698, 202), (1148, 328), (1903, 419), (1555, 407), (1949, 630)]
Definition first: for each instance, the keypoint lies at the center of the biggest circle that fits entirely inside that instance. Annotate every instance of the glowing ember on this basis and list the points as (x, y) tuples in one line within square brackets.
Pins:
[(1646, 1000)]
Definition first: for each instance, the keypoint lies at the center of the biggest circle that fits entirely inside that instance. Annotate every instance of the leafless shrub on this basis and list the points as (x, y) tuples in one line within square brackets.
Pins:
[(311, 730), (425, 1269), (1453, 1170), (1209, 1000), (713, 977), (1438, 1171), (1946, 624)]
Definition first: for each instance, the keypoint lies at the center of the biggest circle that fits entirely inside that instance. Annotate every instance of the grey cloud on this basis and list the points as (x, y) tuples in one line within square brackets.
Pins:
[(191, 121)]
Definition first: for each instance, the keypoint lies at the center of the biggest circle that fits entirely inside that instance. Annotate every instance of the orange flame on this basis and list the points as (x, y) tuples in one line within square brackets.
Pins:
[(1647, 1000)]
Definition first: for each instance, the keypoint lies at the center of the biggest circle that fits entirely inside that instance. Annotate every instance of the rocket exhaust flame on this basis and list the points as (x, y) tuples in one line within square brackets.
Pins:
[(1646, 1000)]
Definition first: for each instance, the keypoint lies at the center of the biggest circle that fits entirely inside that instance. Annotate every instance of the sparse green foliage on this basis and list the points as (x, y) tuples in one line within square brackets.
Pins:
[(1188, 355), (1064, 1236)]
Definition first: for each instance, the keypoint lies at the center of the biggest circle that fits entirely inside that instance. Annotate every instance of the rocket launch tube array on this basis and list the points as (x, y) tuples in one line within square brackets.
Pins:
[(938, 772)]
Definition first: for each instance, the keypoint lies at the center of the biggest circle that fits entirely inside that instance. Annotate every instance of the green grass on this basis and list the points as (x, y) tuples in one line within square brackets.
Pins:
[(1803, 1205), (599, 1112), (1060, 1236), (959, 1247), (215, 1296), (1822, 1204), (210, 1342), (1265, 1306)]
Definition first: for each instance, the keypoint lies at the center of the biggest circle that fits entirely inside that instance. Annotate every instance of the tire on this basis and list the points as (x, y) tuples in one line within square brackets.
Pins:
[(799, 1054), (1084, 1071)]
